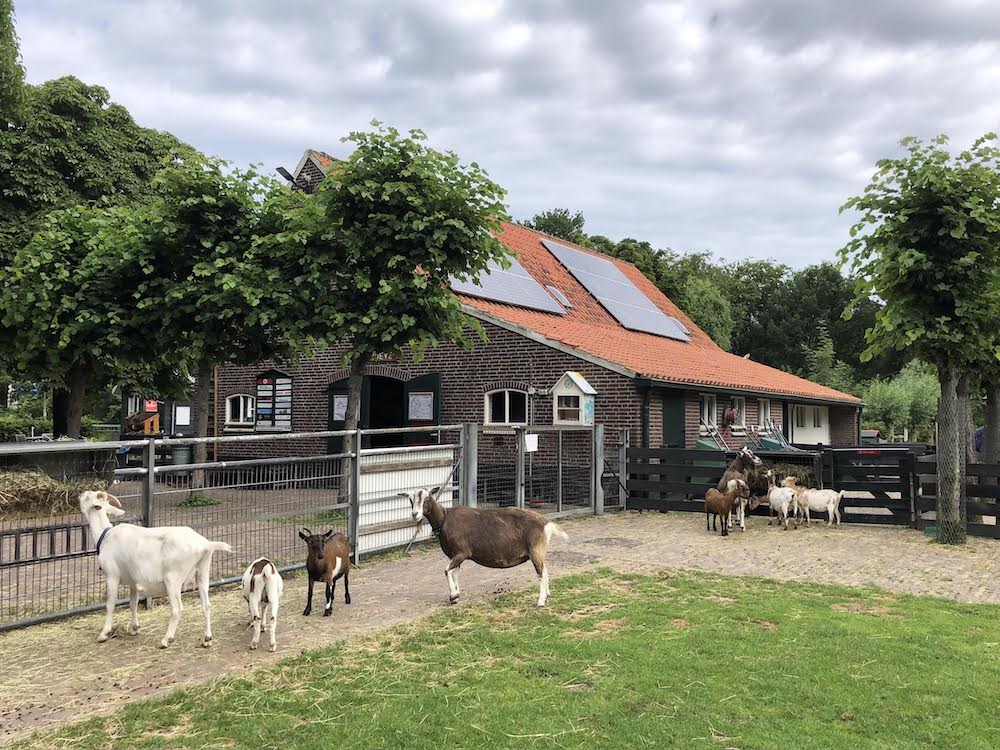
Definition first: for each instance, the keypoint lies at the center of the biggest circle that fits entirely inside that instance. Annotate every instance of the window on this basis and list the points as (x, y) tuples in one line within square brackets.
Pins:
[(568, 409), (132, 407), (817, 417), (707, 409), (507, 407), (274, 402), (800, 416), (740, 411), (240, 410), (763, 412)]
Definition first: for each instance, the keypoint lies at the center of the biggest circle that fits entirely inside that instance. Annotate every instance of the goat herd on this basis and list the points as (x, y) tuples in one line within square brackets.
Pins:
[(732, 498), (159, 561)]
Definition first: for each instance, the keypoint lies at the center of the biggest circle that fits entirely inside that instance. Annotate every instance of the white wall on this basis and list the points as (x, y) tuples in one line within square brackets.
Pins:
[(809, 434)]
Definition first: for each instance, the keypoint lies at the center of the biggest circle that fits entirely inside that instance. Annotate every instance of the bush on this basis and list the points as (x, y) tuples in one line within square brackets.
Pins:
[(13, 423)]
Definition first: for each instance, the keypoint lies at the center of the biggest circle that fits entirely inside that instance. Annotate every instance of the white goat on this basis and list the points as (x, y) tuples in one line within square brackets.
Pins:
[(779, 499), (262, 585), (740, 506), (151, 561), (817, 501)]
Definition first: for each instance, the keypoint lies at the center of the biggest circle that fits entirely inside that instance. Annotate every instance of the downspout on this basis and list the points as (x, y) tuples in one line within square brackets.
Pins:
[(215, 414)]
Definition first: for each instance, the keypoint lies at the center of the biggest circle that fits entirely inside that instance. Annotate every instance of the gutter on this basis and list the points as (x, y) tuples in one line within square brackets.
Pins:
[(692, 386)]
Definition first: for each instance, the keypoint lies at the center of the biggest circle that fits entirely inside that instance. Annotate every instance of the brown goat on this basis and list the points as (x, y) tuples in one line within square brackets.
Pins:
[(492, 537), (329, 558), (737, 468), (721, 504)]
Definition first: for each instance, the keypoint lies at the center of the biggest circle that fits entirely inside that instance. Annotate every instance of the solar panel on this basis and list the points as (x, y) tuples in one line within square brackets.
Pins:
[(559, 296), (619, 296), (512, 286)]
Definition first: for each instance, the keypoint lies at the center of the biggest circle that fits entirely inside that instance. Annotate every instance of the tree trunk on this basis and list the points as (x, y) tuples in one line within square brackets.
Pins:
[(950, 454), (76, 389), (353, 416), (200, 404), (60, 397), (963, 393), (890, 428)]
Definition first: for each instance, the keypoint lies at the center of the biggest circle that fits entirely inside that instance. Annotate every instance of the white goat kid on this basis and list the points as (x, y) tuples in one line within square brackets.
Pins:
[(780, 500), (262, 588), (150, 561)]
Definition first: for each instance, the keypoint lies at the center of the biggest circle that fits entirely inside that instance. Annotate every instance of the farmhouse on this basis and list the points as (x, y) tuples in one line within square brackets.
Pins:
[(574, 337)]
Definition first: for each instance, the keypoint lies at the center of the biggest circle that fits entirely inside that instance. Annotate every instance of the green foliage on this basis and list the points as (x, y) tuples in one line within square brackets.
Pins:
[(709, 308), (13, 423), (907, 400), (822, 365), (683, 659), (11, 70), (559, 222), (71, 146), (927, 243), (399, 221), (198, 500)]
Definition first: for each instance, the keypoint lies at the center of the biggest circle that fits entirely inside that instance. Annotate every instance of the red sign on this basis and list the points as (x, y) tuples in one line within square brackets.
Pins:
[(150, 405), (870, 452)]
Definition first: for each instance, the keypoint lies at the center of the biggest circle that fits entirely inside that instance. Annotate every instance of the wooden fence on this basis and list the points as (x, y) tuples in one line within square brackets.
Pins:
[(982, 490)]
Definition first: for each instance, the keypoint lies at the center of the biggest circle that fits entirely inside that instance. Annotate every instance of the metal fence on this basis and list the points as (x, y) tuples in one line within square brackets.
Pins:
[(259, 490)]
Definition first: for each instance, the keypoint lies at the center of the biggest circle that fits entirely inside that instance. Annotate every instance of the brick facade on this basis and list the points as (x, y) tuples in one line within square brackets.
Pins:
[(506, 360)]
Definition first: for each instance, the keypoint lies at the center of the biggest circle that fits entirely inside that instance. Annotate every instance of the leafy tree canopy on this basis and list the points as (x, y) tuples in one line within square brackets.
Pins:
[(11, 70), (559, 222)]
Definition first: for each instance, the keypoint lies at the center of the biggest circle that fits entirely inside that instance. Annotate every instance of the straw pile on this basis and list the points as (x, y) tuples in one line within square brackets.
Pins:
[(35, 494), (758, 482)]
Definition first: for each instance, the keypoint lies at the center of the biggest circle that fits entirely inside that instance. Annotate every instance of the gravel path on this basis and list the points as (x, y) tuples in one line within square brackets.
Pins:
[(58, 672)]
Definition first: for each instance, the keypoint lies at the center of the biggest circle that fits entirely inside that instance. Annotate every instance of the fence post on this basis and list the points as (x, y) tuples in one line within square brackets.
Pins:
[(354, 497), (907, 477), (519, 469), (470, 465), (148, 481), (623, 468), (597, 487)]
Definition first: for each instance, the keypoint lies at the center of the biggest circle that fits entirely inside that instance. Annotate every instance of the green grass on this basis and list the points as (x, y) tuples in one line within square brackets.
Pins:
[(622, 661), (336, 519), (198, 500)]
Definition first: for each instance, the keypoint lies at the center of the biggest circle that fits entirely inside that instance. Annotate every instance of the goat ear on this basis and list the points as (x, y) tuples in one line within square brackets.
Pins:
[(303, 537), (328, 534)]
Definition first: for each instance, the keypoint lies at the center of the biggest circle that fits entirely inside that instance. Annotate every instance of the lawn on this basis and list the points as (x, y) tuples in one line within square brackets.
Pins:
[(685, 660)]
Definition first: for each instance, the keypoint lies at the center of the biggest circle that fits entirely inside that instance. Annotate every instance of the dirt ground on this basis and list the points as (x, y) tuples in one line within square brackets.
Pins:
[(58, 672)]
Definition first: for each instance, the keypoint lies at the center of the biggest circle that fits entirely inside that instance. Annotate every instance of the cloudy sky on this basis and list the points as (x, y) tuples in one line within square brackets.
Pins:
[(737, 126)]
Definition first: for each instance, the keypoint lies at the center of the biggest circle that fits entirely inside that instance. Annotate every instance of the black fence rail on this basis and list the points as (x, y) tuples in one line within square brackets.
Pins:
[(878, 484), (982, 490)]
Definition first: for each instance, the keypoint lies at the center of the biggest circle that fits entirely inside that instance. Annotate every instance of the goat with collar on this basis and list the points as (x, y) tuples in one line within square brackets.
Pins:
[(151, 561), (491, 537)]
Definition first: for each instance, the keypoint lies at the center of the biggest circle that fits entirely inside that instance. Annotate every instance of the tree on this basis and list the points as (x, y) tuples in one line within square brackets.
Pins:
[(927, 243), (887, 404), (71, 146), (704, 302), (399, 221), (822, 365), (66, 303), (559, 222), (212, 291), (758, 290), (11, 70)]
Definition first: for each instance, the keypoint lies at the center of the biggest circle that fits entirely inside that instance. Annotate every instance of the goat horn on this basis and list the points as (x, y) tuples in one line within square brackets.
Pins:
[(307, 531), (114, 500)]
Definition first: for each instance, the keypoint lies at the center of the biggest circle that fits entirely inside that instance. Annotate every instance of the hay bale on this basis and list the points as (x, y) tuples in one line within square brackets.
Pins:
[(758, 481), (33, 494)]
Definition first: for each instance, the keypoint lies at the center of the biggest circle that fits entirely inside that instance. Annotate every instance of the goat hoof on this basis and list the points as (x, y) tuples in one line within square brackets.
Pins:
[(207, 643), (164, 643), (133, 631), (102, 638), (327, 612), (273, 648), (453, 599), (347, 600), (253, 646), (306, 612)]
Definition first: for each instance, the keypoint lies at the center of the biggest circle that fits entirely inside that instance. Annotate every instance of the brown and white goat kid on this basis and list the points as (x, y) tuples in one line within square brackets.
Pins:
[(328, 559), (262, 589), (491, 537), (721, 504)]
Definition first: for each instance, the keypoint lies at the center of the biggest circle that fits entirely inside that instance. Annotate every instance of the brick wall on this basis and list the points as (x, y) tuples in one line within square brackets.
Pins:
[(506, 360), (692, 411), (843, 425)]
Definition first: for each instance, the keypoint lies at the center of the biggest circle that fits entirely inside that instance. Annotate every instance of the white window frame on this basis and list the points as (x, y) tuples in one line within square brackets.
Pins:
[(763, 412), (740, 419), (799, 416), (133, 404), (557, 415), (506, 407), (708, 399), (817, 418), (245, 411)]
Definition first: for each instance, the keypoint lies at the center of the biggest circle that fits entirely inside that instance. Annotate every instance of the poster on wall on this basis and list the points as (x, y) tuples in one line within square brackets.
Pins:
[(420, 407), (339, 408), (150, 405), (274, 402)]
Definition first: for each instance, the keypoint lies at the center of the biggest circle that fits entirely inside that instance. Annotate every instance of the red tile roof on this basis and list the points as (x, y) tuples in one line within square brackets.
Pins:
[(324, 159), (589, 328)]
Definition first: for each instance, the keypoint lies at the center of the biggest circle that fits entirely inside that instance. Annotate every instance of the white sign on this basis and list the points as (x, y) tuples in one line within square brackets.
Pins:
[(421, 407), (339, 408), (530, 442), (182, 416)]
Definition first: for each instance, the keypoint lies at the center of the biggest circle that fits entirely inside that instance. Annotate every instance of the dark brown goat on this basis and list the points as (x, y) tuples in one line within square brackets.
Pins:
[(492, 537), (329, 558), (722, 504), (737, 468)]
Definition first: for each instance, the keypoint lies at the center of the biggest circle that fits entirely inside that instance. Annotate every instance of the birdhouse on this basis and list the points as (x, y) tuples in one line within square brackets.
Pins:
[(573, 400)]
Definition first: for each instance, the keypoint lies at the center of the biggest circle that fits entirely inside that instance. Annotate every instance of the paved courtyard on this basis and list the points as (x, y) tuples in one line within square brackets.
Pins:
[(58, 672)]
